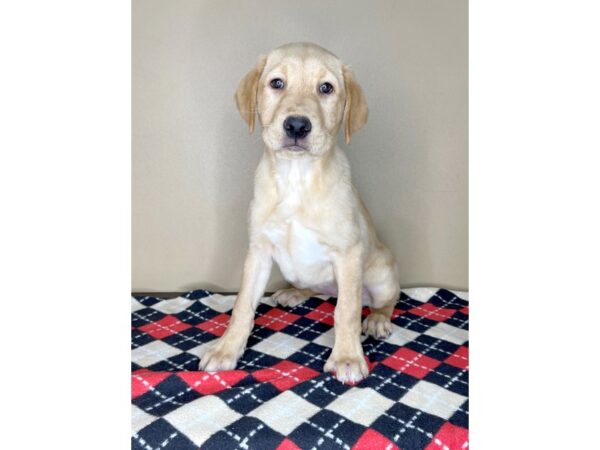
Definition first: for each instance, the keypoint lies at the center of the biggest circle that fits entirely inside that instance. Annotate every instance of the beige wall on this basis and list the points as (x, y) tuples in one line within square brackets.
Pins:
[(193, 160)]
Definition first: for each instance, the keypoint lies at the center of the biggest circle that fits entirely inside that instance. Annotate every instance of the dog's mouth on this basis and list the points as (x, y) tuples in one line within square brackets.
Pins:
[(295, 148), (295, 145)]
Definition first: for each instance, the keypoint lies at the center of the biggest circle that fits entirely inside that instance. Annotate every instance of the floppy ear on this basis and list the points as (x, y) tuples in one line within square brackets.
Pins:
[(245, 96), (355, 110)]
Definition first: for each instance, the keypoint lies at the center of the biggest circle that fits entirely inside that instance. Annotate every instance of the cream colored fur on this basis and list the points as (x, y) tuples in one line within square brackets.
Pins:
[(306, 215)]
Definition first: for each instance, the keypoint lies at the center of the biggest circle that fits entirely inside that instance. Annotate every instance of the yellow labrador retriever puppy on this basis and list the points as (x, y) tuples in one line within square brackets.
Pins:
[(306, 215)]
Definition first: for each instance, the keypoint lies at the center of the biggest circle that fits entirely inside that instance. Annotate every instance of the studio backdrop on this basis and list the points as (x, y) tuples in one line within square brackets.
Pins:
[(194, 160)]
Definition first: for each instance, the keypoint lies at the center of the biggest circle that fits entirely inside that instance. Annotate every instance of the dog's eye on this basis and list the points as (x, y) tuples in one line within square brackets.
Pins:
[(326, 88), (277, 83)]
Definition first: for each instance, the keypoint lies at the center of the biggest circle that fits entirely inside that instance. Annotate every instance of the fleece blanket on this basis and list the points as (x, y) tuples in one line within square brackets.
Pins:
[(415, 397)]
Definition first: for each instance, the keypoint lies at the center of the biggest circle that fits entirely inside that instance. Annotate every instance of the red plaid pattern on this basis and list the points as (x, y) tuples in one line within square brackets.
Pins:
[(432, 312), (414, 363), (211, 382), (323, 313), (276, 319), (460, 358), (372, 440), (164, 327), (415, 396), (288, 445), (217, 325), (144, 380), (450, 437), (285, 375)]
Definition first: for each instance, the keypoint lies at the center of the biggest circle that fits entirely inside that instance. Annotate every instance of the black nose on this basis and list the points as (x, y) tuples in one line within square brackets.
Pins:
[(296, 126)]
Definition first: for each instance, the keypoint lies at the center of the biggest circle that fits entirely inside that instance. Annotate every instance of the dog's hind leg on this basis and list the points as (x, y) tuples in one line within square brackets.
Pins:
[(381, 281)]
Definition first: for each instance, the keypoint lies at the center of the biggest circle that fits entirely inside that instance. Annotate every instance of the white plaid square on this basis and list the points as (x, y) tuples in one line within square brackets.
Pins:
[(448, 333), (200, 350), (285, 412), (153, 352), (327, 339), (173, 306), (433, 399), (268, 301), (135, 305), (361, 405), (420, 294), (221, 303), (202, 418), (401, 336), (461, 294), (139, 419), (280, 345)]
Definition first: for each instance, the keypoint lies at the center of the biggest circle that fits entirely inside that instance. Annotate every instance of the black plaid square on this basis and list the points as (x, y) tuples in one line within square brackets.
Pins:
[(321, 391), (306, 329), (449, 298), (196, 311), (432, 347), (459, 320), (246, 432), (252, 360), (413, 322), (311, 355), (389, 382), (244, 399), (377, 350), (197, 295), (146, 300), (461, 416), (452, 378), (145, 316), (182, 361), (194, 318), (327, 429), (310, 305), (188, 338), (259, 334), (409, 428), (139, 338), (166, 396), (161, 434), (406, 302)]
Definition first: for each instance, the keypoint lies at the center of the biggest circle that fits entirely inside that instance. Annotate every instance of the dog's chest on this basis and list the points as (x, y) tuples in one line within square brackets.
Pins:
[(298, 248)]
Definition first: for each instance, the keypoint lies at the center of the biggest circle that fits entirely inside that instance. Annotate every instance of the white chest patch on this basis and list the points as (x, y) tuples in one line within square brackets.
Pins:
[(303, 259)]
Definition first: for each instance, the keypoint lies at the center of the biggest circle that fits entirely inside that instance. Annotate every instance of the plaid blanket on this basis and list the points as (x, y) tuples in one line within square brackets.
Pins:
[(415, 397)]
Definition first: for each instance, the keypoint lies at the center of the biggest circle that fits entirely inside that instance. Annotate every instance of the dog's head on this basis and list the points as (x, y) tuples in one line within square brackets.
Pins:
[(302, 94)]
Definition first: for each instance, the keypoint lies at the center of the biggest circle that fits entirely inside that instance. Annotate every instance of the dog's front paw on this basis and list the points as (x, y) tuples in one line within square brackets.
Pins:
[(222, 355), (347, 368), (377, 325)]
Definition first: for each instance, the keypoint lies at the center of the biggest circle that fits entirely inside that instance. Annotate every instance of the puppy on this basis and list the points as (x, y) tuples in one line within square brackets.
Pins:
[(306, 214)]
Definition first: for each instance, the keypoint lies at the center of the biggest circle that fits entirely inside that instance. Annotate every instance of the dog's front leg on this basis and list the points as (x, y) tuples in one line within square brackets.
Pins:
[(347, 357), (224, 353)]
